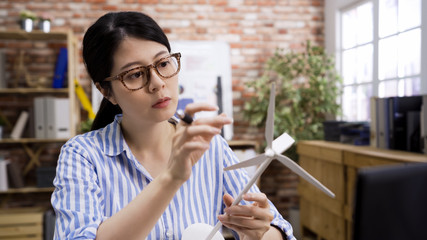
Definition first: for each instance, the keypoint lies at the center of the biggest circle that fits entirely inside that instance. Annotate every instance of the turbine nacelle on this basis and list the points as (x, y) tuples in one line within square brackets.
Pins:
[(279, 145), (269, 152)]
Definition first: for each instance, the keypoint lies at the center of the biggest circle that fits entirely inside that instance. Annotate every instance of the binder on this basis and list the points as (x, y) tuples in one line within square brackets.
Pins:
[(413, 134), (382, 126), (4, 185), (40, 117), (60, 69), (58, 118), (16, 179), (19, 126), (373, 124)]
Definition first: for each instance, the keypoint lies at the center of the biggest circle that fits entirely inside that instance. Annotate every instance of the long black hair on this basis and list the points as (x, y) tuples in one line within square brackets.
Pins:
[(101, 41)]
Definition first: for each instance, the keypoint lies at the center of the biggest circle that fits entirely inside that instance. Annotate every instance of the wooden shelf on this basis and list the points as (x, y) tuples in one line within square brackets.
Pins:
[(34, 35), (33, 90), (31, 140), (28, 190), (35, 148)]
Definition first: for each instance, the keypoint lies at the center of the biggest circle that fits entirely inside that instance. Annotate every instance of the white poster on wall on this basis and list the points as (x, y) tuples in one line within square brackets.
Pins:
[(206, 75)]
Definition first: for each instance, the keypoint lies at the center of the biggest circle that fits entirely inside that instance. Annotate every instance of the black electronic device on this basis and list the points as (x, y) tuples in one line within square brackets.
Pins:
[(399, 107), (391, 202)]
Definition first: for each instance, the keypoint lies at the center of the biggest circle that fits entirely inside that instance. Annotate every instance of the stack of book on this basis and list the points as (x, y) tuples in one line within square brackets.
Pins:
[(399, 123)]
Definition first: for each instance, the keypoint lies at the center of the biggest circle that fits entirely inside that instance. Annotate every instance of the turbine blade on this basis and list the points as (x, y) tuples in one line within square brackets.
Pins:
[(304, 174), (282, 143), (269, 128), (247, 163)]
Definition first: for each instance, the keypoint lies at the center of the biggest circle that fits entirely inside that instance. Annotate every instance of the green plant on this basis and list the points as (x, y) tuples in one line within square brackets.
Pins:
[(85, 126), (27, 14), (45, 17), (307, 87)]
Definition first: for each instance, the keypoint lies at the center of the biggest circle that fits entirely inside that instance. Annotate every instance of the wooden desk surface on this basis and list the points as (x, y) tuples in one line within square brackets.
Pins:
[(368, 151)]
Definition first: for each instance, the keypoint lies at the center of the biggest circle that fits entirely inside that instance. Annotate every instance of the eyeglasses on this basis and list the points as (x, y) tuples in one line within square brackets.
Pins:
[(139, 77)]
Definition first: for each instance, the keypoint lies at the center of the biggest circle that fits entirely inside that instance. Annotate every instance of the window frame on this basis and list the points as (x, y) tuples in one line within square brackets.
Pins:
[(333, 40)]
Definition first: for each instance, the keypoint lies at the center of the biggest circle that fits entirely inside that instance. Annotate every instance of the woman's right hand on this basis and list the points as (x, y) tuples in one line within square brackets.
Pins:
[(190, 141)]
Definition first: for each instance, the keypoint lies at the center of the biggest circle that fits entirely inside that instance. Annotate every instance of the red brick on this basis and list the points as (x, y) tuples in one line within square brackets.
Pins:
[(251, 38), (201, 30), (110, 8), (219, 2), (235, 31), (266, 3), (283, 31), (230, 9), (96, 1)]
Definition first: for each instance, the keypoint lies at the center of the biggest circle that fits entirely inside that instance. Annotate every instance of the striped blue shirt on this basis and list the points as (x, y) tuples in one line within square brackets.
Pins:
[(97, 175)]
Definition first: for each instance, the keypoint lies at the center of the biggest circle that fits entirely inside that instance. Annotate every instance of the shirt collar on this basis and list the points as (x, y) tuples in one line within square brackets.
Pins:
[(114, 143)]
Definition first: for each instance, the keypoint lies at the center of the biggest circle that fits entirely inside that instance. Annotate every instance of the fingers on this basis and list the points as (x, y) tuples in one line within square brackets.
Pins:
[(205, 127), (260, 201), (217, 121), (248, 219), (200, 130), (192, 108), (190, 141), (244, 224), (260, 198), (194, 133), (256, 209), (249, 211), (228, 200)]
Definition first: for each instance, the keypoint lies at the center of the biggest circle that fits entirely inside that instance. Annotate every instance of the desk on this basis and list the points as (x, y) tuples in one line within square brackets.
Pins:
[(336, 165)]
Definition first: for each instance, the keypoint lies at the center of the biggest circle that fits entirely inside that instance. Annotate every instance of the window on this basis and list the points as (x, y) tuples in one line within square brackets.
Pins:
[(380, 53)]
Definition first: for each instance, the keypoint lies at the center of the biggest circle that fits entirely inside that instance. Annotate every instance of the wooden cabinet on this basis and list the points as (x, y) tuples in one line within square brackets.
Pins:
[(336, 166), (18, 95), (22, 223)]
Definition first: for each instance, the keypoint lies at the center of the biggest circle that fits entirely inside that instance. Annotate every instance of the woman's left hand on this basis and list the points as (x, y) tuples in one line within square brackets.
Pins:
[(249, 221)]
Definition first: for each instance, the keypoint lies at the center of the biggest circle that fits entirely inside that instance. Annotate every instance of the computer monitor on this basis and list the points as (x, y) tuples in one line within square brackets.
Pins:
[(391, 203)]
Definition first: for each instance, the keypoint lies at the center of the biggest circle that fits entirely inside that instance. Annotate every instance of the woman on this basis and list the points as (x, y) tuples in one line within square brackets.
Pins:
[(139, 174)]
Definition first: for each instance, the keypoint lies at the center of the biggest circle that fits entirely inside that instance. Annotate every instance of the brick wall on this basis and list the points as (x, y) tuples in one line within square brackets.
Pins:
[(253, 28)]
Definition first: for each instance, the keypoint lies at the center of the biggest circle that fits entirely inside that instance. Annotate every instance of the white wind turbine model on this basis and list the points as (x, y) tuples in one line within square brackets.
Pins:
[(272, 151)]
